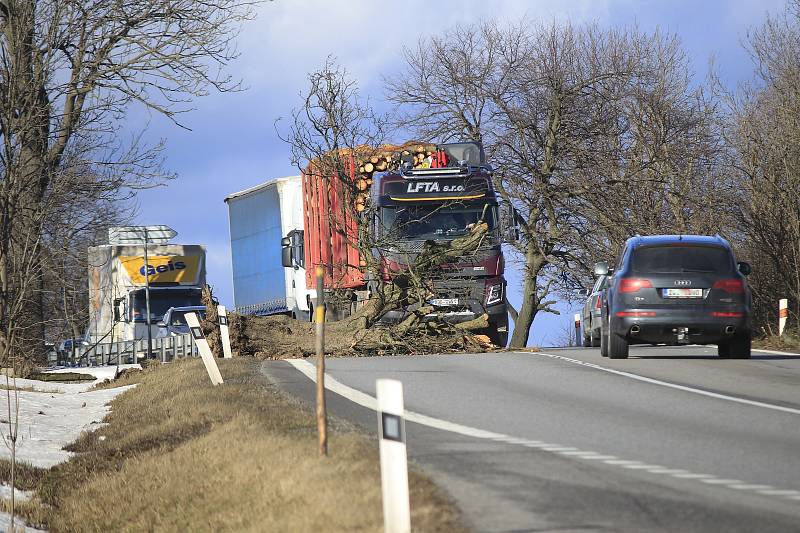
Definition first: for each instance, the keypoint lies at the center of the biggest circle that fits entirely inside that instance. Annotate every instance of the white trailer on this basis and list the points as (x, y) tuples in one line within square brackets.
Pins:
[(117, 303), (260, 219)]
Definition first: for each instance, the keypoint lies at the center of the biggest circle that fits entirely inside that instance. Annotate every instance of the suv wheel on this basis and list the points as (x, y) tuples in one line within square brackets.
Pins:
[(603, 343), (617, 346), (724, 349), (739, 346)]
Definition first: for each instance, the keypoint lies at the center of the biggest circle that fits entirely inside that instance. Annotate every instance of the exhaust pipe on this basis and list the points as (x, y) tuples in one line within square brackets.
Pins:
[(730, 330), (635, 329)]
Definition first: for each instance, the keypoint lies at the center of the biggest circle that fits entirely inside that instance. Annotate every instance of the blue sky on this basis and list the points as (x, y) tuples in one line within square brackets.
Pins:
[(232, 144)]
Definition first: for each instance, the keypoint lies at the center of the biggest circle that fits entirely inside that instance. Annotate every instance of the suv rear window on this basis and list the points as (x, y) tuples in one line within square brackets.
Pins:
[(679, 259)]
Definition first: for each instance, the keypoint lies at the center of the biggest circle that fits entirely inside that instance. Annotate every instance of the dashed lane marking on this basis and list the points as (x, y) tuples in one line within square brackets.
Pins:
[(365, 400)]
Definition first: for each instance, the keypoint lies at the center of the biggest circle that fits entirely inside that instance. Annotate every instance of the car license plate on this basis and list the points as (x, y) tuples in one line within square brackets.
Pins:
[(444, 302), (683, 293)]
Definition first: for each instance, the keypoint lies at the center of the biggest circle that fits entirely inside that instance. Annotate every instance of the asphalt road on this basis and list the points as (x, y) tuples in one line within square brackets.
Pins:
[(672, 439)]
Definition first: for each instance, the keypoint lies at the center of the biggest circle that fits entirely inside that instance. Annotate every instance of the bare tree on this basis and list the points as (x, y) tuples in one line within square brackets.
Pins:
[(597, 136), (69, 71), (764, 135)]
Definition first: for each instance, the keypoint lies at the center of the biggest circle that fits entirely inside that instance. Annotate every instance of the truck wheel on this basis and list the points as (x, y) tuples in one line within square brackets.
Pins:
[(617, 346), (498, 338), (739, 346)]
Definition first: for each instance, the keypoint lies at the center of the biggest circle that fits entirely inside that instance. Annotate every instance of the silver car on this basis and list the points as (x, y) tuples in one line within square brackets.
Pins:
[(174, 321), (591, 316)]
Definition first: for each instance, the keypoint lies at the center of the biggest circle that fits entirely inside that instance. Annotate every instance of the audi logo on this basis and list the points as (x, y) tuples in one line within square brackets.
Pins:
[(683, 282)]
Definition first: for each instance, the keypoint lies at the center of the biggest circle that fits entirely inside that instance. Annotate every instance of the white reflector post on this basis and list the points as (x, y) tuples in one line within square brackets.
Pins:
[(202, 346), (783, 315), (394, 462), (222, 316), (578, 330)]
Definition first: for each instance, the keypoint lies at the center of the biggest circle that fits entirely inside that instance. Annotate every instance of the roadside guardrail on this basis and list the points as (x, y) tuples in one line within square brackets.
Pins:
[(164, 348)]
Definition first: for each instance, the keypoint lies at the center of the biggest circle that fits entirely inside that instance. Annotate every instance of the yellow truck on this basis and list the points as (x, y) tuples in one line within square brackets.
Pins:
[(117, 280)]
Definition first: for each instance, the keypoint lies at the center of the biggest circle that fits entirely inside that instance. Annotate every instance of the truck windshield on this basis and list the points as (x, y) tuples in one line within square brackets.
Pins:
[(160, 301), (681, 259), (433, 222)]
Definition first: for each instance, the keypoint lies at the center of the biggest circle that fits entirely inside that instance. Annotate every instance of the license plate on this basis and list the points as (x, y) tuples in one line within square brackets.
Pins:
[(444, 302), (683, 293)]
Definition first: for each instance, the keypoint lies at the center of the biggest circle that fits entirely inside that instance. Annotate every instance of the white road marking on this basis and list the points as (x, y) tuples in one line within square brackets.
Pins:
[(684, 388), (776, 352), (745, 486), (780, 492), (717, 481), (365, 400)]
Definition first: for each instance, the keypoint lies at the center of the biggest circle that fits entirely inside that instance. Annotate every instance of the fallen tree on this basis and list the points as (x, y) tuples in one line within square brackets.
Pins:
[(364, 333)]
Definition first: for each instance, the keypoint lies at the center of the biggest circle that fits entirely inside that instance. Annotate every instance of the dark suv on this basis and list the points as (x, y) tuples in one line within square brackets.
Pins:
[(676, 289)]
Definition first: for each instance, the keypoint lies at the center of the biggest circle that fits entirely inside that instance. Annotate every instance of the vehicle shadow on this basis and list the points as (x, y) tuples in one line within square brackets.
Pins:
[(754, 357)]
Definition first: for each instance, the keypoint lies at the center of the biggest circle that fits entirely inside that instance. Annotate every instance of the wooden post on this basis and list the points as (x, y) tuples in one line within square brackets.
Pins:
[(319, 320)]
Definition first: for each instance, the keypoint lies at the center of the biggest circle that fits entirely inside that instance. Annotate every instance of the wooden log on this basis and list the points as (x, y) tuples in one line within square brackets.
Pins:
[(374, 160), (481, 322), (369, 168)]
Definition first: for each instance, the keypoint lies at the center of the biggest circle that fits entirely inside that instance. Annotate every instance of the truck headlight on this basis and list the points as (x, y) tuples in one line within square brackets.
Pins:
[(494, 293)]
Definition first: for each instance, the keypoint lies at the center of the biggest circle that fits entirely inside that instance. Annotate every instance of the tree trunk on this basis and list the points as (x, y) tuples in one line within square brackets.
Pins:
[(534, 262)]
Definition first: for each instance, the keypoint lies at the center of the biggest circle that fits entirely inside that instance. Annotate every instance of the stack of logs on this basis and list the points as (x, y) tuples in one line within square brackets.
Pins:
[(388, 157)]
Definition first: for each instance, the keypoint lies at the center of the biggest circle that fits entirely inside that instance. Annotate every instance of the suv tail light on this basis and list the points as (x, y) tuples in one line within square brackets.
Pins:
[(734, 286), (597, 303), (634, 284)]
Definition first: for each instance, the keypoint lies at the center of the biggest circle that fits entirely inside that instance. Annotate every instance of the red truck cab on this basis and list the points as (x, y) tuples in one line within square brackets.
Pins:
[(410, 206)]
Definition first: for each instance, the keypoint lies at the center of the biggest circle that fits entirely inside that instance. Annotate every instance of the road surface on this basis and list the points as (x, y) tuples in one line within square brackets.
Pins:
[(672, 439)]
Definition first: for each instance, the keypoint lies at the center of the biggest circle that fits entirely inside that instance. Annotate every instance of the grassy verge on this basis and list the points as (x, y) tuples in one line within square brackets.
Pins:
[(180, 455), (789, 342), (61, 377)]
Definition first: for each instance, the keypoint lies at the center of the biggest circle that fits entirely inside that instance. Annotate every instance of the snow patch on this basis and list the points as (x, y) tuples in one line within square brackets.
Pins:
[(19, 495), (53, 417)]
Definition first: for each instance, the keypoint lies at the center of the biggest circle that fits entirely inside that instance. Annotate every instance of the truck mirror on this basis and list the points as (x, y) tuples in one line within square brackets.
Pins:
[(286, 257), (286, 241), (744, 268), (601, 269)]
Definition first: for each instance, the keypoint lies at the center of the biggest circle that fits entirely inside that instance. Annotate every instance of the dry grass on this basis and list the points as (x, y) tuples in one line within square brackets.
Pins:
[(61, 377), (789, 342), (180, 455)]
